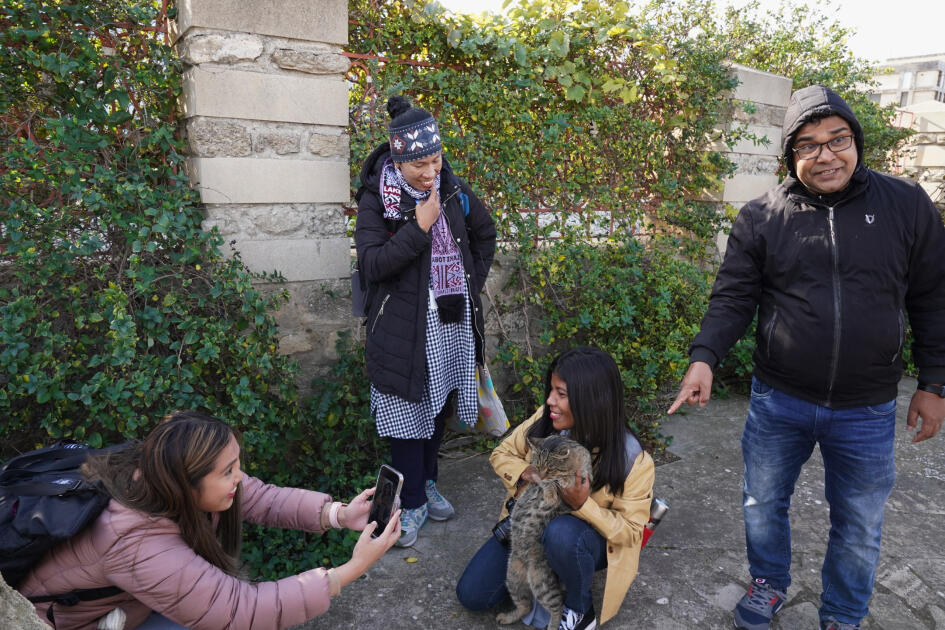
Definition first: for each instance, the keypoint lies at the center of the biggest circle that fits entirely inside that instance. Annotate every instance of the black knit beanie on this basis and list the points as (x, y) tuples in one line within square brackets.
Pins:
[(413, 131)]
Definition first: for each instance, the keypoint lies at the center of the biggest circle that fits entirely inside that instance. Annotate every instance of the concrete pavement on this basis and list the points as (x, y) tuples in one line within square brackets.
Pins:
[(694, 568)]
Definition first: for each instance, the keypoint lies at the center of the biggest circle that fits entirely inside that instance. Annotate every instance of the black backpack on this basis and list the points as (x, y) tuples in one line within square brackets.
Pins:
[(44, 500)]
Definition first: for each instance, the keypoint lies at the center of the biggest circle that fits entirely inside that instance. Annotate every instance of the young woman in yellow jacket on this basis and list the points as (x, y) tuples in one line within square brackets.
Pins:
[(584, 400)]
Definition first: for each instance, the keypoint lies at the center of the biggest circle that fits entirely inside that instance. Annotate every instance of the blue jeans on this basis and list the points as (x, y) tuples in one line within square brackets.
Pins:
[(156, 621), (574, 550), (859, 471)]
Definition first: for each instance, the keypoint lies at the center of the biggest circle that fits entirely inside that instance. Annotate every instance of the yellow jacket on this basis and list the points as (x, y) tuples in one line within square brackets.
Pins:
[(619, 519)]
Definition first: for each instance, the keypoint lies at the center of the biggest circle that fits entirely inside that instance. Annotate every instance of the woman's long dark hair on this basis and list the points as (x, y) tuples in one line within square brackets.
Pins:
[(158, 476), (595, 396)]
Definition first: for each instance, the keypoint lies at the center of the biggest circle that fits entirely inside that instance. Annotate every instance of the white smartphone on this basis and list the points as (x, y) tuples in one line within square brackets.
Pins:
[(386, 497)]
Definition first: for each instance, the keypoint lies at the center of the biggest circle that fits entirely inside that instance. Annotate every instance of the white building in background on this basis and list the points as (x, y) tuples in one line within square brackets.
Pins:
[(915, 86), (924, 160), (912, 80)]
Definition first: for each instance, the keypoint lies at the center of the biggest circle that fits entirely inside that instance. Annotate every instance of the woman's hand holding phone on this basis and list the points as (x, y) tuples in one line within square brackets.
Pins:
[(369, 549), (355, 514), (386, 496)]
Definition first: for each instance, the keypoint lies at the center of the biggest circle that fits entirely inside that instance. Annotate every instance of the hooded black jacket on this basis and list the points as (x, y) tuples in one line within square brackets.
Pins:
[(832, 279), (394, 256)]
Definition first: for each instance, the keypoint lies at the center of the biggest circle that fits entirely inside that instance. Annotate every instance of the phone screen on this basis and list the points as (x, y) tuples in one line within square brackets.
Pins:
[(386, 493)]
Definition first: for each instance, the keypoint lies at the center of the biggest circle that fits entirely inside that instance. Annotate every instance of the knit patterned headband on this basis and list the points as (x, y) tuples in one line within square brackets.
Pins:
[(415, 141)]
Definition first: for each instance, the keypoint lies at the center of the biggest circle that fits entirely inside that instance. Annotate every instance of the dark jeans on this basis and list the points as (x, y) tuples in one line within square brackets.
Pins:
[(417, 459), (859, 470), (574, 550), (157, 621)]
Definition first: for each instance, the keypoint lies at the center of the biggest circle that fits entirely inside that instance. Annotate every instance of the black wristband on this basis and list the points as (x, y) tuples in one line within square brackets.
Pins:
[(934, 388)]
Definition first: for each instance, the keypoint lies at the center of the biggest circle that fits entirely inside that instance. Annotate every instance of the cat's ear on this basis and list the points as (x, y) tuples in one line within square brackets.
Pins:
[(534, 443)]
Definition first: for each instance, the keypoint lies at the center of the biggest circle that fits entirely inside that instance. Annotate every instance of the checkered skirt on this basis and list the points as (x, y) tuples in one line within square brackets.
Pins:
[(451, 364)]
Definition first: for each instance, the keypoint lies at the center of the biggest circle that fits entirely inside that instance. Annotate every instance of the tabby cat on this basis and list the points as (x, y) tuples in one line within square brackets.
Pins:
[(557, 459)]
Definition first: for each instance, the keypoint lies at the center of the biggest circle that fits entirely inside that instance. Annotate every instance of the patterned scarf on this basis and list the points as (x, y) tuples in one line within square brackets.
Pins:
[(446, 264)]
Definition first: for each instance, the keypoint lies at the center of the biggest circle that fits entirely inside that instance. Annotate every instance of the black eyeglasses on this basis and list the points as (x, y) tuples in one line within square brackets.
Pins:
[(813, 149)]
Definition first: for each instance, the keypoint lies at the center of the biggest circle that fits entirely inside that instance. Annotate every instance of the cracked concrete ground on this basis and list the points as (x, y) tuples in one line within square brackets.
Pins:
[(694, 569)]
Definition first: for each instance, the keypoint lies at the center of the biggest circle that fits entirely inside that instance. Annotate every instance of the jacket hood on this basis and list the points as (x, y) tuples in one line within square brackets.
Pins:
[(816, 101), (371, 169)]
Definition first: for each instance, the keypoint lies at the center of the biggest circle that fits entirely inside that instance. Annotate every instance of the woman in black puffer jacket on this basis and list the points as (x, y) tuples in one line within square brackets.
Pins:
[(425, 244)]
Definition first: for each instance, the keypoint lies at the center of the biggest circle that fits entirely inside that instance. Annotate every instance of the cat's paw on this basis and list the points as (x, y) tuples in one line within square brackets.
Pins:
[(508, 617)]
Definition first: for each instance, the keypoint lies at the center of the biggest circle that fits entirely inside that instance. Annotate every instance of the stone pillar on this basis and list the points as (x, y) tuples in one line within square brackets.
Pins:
[(16, 611), (265, 106), (768, 95)]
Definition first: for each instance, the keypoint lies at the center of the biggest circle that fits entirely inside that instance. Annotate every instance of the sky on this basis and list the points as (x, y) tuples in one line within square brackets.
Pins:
[(884, 28)]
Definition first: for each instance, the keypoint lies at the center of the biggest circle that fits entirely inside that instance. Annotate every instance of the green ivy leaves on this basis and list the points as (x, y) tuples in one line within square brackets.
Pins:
[(577, 124), (115, 306)]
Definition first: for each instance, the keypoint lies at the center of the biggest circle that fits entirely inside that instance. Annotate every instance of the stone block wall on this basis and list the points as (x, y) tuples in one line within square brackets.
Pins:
[(265, 115), (767, 96), (265, 107)]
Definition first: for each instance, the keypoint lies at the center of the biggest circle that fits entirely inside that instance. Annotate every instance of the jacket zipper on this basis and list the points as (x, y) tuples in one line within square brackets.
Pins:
[(379, 312), (835, 255), (455, 192)]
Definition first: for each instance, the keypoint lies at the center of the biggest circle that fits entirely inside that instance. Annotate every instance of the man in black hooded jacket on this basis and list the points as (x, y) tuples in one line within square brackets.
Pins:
[(832, 260)]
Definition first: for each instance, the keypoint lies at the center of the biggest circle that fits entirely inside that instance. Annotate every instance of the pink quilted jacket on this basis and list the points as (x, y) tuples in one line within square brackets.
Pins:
[(147, 558)]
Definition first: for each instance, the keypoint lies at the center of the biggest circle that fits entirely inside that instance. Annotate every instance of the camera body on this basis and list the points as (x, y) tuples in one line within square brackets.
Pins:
[(502, 531)]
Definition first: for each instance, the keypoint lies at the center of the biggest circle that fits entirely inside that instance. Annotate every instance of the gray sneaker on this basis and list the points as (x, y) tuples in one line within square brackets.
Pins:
[(410, 523), (755, 610), (833, 624), (438, 507)]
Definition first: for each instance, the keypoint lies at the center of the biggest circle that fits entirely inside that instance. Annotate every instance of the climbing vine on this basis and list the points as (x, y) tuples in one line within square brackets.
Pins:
[(586, 128), (115, 306)]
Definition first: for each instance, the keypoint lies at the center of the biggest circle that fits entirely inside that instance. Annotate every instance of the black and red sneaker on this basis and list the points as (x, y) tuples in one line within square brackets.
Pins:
[(755, 610)]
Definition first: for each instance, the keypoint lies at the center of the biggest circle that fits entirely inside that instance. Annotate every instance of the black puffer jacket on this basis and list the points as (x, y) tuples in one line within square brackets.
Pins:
[(394, 256), (832, 281)]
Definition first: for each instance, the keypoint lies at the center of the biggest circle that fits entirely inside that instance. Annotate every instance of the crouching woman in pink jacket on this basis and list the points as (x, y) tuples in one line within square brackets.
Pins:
[(170, 539)]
